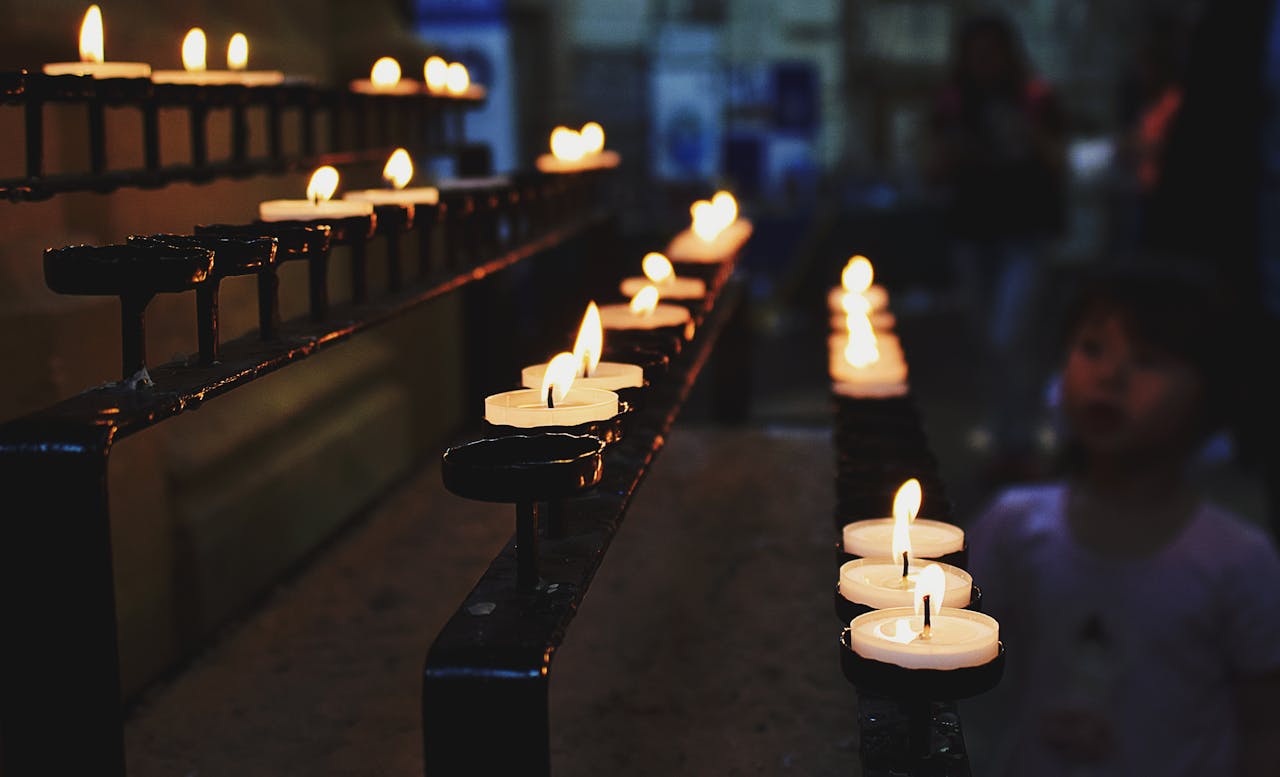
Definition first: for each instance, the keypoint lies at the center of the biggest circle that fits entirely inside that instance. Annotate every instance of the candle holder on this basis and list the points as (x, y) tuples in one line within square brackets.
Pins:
[(846, 610), (393, 221), (608, 431), (668, 340), (232, 256), (135, 274), (294, 242), (351, 231), (916, 691), (524, 470)]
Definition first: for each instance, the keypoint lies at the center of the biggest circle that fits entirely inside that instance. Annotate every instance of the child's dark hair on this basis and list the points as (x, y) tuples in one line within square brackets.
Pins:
[(1177, 309)]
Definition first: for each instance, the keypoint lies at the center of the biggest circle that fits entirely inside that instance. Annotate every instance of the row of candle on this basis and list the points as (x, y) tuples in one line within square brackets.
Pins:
[(439, 76), (915, 604)]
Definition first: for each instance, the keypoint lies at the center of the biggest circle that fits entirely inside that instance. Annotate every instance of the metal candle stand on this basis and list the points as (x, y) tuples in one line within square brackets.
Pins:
[(879, 443), (524, 470)]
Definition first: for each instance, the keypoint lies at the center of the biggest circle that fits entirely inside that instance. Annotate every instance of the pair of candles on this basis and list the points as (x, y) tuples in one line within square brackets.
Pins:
[(194, 53), (577, 150), (715, 232), (319, 204), (440, 77), (916, 620)]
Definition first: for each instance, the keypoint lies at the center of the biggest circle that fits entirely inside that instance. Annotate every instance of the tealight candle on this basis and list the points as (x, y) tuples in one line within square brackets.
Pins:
[(645, 312), (384, 78), (397, 172), (194, 70), (926, 634), (879, 583), (238, 63), (856, 279), (927, 538), (715, 234), (319, 203), (864, 364), (577, 150), (590, 371), (659, 272), (556, 403), (93, 55)]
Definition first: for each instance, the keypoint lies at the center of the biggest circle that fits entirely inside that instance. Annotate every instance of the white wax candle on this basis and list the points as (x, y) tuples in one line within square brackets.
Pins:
[(876, 296), (877, 582), (99, 69), (957, 638), (306, 210), (929, 539), (622, 317), (527, 408), (887, 376), (688, 247), (882, 321), (403, 86), (606, 375), (549, 163), (674, 288), (415, 195)]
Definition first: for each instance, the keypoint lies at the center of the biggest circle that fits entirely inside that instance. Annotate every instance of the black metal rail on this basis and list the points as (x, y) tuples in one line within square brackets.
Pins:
[(60, 696), (360, 127), (487, 675)]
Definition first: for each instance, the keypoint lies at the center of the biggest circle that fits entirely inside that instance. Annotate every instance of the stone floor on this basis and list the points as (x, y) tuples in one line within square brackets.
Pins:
[(706, 644)]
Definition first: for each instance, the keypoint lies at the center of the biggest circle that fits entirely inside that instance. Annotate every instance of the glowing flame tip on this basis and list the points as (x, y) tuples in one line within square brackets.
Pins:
[(194, 50), (657, 267), (323, 184), (385, 72), (857, 275), (399, 169), (91, 36), (645, 301), (238, 52), (558, 378), (589, 343)]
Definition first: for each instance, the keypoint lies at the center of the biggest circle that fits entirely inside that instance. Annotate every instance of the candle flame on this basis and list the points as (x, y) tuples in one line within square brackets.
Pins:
[(566, 145), (898, 631), (857, 275), (590, 342), (558, 378), (435, 71), (385, 73), (861, 349), (706, 220), (238, 52), (645, 301), (592, 135), (91, 37), (906, 502), (194, 49), (933, 583), (901, 542), (399, 169), (323, 183), (657, 267), (726, 206), (854, 304), (457, 79)]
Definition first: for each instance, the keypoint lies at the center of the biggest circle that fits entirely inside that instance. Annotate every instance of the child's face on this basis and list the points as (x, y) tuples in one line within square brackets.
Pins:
[(1124, 396)]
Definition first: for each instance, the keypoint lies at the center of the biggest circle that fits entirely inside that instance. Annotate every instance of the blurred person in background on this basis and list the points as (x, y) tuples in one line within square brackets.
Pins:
[(998, 155)]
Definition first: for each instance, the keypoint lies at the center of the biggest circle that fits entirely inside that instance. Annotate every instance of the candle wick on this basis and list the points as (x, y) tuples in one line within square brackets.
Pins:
[(315, 200), (586, 365), (551, 402), (906, 566), (928, 627)]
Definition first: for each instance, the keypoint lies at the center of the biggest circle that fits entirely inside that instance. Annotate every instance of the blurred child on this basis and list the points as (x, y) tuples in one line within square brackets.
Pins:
[(1142, 623)]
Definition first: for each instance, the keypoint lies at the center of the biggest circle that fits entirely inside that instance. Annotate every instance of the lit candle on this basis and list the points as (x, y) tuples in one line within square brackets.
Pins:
[(659, 272), (591, 372), (93, 55), (319, 203), (456, 79), (384, 78), (577, 150), (238, 63), (397, 172), (194, 71), (556, 402), (926, 633), (645, 313), (856, 281), (435, 74), (862, 363), (928, 539), (715, 232), (878, 582)]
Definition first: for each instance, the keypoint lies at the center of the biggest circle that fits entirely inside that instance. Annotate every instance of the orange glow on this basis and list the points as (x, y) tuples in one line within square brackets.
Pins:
[(906, 501), (194, 48), (645, 301), (399, 169), (238, 52), (706, 221), (726, 206), (91, 36), (323, 184), (559, 377), (457, 79), (657, 267), (435, 71), (857, 275), (385, 73), (592, 135), (862, 349), (590, 342), (566, 145)]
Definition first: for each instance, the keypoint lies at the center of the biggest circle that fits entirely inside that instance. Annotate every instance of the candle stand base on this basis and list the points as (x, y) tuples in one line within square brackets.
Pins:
[(847, 610), (524, 470), (669, 340), (608, 431)]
